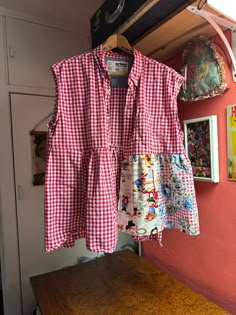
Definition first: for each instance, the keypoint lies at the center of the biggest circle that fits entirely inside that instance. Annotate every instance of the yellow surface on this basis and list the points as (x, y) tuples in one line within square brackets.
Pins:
[(233, 137), (175, 298), (117, 284)]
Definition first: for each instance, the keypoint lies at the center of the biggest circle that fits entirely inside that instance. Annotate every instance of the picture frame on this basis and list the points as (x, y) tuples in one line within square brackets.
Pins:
[(201, 145), (39, 155), (231, 141)]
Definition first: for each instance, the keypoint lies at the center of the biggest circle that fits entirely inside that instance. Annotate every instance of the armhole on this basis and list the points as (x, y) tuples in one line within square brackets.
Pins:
[(178, 81), (55, 69)]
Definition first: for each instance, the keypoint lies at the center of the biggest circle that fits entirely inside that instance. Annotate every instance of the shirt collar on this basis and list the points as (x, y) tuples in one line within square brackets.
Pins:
[(137, 67)]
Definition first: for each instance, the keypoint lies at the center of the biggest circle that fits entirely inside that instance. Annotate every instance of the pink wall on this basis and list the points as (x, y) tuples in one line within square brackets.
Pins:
[(206, 262)]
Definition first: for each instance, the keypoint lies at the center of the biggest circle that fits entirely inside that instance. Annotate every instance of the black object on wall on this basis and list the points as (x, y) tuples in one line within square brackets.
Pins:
[(110, 16), (114, 13)]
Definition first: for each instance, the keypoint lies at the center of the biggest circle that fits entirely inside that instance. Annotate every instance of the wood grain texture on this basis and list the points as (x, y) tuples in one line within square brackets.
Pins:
[(121, 283), (169, 39), (117, 41)]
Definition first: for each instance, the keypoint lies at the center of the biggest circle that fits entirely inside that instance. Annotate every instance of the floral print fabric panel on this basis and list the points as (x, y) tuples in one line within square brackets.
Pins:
[(156, 193)]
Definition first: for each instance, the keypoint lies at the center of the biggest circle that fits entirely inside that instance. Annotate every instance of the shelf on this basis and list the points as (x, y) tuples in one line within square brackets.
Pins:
[(169, 39)]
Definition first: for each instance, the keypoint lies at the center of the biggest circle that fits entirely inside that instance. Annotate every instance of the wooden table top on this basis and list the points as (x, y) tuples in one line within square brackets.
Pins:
[(118, 284)]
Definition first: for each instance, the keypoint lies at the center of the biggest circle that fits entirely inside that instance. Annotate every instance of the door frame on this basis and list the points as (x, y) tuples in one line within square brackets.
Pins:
[(8, 223), (9, 242)]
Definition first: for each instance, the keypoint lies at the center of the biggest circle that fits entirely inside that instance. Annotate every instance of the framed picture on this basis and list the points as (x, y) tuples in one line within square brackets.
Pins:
[(201, 144), (39, 155), (231, 141)]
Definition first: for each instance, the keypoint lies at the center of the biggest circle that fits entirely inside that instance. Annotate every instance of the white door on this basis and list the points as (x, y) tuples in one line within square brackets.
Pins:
[(27, 112)]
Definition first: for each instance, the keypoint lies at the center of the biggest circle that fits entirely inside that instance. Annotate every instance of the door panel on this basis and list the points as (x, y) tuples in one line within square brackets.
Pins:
[(33, 48)]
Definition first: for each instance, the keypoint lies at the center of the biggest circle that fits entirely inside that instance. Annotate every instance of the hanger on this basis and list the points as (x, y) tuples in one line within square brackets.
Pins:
[(118, 41)]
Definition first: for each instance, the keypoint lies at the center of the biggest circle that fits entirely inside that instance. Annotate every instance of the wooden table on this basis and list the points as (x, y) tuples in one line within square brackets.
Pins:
[(118, 284)]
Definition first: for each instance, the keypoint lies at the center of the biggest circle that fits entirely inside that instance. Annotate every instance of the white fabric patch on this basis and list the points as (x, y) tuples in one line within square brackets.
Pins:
[(118, 67)]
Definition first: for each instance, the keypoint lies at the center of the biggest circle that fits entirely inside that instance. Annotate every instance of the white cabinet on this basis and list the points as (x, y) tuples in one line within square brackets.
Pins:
[(32, 48)]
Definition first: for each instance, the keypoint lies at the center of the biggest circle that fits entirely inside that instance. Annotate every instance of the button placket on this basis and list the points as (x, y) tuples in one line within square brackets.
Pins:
[(107, 103), (129, 105)]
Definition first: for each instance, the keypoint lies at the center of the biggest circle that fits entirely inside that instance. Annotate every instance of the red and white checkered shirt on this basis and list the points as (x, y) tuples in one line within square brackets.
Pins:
[(94, 129)]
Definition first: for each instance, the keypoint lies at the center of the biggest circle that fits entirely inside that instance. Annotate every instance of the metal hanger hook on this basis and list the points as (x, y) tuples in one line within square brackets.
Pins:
[(201, 4)]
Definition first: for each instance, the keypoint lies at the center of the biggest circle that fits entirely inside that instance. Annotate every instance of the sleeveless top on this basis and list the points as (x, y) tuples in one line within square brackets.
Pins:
[(116, 159)]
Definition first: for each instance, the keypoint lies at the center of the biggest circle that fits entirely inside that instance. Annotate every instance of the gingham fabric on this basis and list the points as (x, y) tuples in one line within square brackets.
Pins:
[(98, 134)]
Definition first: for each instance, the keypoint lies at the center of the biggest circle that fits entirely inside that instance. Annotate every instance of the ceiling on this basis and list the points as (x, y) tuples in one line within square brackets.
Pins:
[(73, 13)]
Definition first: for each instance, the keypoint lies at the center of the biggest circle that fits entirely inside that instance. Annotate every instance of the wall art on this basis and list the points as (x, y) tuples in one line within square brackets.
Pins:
[(39, 156), (231, 141), (201, 144)]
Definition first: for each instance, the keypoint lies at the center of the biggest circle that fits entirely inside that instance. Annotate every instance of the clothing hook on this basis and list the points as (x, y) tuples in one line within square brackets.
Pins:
[(201, 4)]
